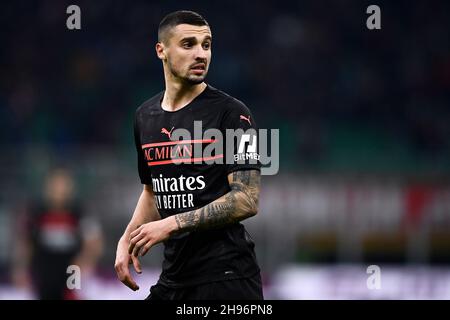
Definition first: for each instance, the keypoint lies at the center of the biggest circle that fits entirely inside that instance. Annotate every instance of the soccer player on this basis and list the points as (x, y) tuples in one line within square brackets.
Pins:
[(55, 233), (194, 208)]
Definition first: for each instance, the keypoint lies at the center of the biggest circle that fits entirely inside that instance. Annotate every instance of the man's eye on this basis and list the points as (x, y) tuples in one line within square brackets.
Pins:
[(206, 45), (187, 45)]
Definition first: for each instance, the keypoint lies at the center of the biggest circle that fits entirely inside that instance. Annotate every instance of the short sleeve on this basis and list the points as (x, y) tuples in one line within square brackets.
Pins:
[(143, 168), (243, 153)]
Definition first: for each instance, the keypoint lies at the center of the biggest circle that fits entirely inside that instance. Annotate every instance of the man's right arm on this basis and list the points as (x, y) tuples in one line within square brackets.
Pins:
[(145, 212)]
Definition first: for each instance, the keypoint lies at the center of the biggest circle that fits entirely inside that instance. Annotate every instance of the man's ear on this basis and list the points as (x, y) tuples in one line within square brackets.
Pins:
[(160, 50)]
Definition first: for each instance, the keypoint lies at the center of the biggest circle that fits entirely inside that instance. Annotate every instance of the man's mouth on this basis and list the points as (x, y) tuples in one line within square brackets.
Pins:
[(199, 67)]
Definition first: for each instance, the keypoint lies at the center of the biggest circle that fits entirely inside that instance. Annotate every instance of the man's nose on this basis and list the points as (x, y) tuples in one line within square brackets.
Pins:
[(200, 53)]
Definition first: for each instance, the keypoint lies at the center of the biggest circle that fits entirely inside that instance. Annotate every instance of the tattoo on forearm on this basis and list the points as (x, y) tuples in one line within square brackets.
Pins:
[(238, 204)]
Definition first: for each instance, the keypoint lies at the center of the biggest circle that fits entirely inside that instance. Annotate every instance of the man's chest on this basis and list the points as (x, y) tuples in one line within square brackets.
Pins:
[(172, 139), (183, 160), (173, 126)]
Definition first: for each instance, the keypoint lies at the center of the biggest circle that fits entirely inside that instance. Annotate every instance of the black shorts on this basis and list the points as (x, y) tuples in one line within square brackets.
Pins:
[(237, 289)]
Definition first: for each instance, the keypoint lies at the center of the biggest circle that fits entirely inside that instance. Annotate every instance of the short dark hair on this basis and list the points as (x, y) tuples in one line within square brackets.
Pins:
[(179, 17)]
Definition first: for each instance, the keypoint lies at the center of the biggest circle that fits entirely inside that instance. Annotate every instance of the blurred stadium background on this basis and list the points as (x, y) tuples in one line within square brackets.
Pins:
[(364, 119)]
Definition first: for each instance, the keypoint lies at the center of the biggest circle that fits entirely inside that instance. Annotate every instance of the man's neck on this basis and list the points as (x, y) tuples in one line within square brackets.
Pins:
[(178, 95)]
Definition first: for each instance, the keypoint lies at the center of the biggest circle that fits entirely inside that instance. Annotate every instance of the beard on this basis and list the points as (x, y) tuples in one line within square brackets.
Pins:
[(191, 79)]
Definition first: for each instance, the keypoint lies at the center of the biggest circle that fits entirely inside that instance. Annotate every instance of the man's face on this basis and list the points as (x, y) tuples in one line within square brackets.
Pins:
[(188, 52), (59, 187)]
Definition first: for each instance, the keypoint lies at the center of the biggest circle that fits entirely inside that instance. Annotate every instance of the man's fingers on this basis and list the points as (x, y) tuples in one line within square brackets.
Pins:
[(136, 264), (130, 248), (124, 276), (135, 232), (138, 247), (133, 242), (145, 249), (129, 282)]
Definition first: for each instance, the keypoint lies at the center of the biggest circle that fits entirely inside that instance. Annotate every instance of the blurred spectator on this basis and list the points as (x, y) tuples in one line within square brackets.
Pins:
[(53, 235)]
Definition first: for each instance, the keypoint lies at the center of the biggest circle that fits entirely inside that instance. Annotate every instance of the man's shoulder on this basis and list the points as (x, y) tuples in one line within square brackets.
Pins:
[(228, 102), (150, 105)]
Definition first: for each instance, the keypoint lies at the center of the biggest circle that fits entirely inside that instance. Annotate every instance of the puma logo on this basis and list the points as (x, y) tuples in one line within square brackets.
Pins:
[(169, 133), (241, 117)]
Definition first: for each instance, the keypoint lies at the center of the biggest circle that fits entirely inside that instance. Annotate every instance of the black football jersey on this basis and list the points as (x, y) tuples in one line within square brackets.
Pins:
[(184, 179)]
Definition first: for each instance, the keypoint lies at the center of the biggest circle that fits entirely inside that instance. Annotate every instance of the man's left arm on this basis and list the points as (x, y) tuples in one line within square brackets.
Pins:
[(240, 203)]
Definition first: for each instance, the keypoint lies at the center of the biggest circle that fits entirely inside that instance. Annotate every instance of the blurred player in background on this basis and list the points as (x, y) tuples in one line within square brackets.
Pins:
[(194, 208), (53, 235)]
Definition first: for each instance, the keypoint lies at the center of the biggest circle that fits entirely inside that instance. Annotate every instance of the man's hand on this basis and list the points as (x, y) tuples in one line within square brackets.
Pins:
[(123, 260), (149, 234)]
